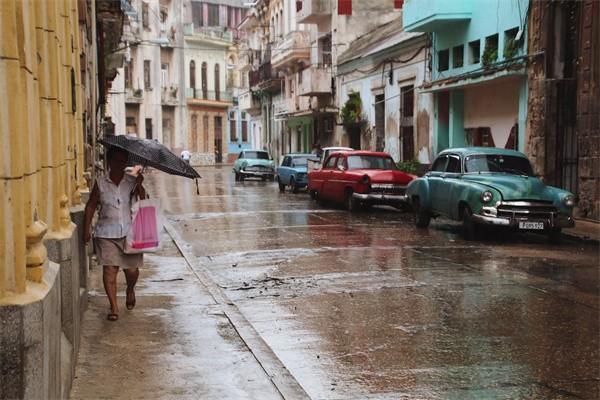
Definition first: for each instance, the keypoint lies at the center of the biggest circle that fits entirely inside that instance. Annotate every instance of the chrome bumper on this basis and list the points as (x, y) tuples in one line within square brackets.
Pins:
[(257, 173), (380, 198), (560, 221)]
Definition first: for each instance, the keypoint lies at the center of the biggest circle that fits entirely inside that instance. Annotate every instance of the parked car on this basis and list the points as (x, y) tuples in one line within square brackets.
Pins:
[(293, 171), (359, 179), (489, 186), (254, 163), (318, 162)]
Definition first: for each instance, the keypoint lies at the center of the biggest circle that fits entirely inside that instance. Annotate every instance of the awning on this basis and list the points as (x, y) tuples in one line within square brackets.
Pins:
[(473, 79)]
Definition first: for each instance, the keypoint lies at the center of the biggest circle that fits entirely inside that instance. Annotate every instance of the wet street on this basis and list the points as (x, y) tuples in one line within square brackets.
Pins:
[(360, 306)]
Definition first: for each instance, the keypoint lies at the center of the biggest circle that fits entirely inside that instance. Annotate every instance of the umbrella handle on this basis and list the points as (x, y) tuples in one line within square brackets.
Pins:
[(197, 188)]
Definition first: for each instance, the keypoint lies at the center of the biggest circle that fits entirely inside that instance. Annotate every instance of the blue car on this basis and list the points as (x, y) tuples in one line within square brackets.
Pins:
[(293, 171)]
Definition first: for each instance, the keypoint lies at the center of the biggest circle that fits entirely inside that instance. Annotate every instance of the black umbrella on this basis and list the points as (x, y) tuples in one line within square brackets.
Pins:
[(151, 153)]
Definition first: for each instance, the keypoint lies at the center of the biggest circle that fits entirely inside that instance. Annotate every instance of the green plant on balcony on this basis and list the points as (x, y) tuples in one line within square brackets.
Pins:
[(489, 56), (351, 113), (511, 48)]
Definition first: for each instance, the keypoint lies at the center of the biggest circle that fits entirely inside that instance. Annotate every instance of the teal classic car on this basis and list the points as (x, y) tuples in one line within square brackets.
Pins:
[(489, 186), (293, 171), (254, 163)]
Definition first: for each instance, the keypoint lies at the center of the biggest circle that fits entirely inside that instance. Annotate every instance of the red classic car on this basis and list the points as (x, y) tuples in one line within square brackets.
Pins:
[(359, 178)]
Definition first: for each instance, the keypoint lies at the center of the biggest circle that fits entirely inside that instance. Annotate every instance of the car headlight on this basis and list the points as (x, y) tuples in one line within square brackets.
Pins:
[(365, 180), (487, 196), (569, 200)]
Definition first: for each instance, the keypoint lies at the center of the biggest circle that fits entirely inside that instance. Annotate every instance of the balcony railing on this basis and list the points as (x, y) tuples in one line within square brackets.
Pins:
[(249, 102), (312, 11), (209, 95), (168, 95), (213, 32), (134, 95), (316, 80), (294, 47)]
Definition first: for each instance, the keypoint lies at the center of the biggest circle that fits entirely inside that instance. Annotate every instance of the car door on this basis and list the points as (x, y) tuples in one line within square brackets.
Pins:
[(326, 175), (450, 185), (337, 181), (434, 178), (284, 171)]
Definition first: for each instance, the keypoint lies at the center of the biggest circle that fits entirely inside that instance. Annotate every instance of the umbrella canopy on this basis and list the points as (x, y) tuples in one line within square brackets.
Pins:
[(150, 153)]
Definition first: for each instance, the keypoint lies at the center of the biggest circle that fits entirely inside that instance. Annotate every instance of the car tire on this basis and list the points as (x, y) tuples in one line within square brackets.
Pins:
[(351, 203), (272, 178), (469, 228), (320, 200), (237, 177), (281, 186), (313, 194), (422, 216), (555, 236), (293, 185), (242, 177)]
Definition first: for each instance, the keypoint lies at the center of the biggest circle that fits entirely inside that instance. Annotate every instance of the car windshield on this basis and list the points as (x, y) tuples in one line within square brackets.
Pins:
[(370, 162), (261, 155), (498, 163), (300, 161)]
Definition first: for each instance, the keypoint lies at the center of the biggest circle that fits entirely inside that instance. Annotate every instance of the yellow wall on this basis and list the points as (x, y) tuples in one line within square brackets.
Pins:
[(41, 138)]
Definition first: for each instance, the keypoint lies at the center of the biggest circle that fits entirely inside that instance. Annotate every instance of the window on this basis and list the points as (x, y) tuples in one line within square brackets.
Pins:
[(193, 76), (490, 52), (231, 17), (217, 83), (325, 50), (299, 77), (164, 69), (286, 162), (244, 131), (145, 19), (474, 51), (205, 132), (204, 81), (498, 163), (197, 13), (213, 15), (232, 128), (511, 44), (194, 132), (127, 73), (257, 155), (440, 164), (453, 164), (370, 162), (458, 56), (443, 60), (147, 83), (330, 162), (149, 128), (130, 121)]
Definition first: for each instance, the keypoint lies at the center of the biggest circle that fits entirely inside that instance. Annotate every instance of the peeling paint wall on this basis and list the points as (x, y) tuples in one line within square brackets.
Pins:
[(495, 105)]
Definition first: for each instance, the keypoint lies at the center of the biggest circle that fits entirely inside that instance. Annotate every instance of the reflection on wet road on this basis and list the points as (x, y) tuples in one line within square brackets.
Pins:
[(367, 306)]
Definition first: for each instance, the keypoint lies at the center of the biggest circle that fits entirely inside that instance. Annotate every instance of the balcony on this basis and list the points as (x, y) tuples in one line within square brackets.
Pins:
[(134, 96), (435, 15), (249, 103), (285, 106), (313, 11), (199, 96), (168, 96), (293, 48), (205, 32), (265, 79), (316, 81)]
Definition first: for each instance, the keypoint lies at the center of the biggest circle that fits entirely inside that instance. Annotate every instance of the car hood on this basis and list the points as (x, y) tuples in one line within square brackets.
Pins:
[(515, 187), (300, 169), (385, 175)]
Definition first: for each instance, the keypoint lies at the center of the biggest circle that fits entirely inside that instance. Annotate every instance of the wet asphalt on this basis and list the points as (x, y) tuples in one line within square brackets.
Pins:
[(360, 306)]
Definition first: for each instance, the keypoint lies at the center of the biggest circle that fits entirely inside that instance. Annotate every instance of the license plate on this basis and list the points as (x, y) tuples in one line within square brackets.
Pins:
[(531, 225)]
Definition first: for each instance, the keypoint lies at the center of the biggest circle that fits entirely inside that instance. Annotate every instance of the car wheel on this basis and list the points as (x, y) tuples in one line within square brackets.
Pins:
[(469, 229), (352, 204), (313, 194), (320, 200), (281, 185), (242, 177), (422, 216), (272, 178), (237, 177), (555, 236), (293, 185), (263, 178)]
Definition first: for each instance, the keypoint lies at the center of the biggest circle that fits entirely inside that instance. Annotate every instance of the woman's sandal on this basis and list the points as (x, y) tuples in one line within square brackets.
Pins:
[(112, 317), (130, 304)]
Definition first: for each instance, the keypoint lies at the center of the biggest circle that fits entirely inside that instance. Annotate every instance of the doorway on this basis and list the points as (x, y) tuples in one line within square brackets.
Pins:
[(379, 122), (218, 139), (407, 138)]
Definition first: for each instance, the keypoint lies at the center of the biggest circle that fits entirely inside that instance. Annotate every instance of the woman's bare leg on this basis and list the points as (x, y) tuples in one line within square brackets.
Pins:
[(131, 276), (109, 277)]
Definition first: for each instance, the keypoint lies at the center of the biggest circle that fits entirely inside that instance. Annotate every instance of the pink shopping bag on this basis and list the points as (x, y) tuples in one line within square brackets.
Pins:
[(146, 226)]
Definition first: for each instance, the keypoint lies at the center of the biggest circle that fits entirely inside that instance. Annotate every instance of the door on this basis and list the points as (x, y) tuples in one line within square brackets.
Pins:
[(337, 182), (450, 186), (379, 122), (325, 175), (218, 139), (166, 128), (284, 170), (434, 179), (407, 139)]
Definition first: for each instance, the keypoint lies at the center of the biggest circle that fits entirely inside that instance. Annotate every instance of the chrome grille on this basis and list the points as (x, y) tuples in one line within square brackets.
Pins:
[(257, 168), (388, 188), (533, 210)]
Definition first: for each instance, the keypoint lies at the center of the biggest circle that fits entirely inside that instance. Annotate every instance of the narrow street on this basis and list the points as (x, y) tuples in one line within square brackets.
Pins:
[(367, 306)]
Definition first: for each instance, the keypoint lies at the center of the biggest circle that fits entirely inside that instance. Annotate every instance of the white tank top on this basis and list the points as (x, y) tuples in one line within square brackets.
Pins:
[(114, 217)]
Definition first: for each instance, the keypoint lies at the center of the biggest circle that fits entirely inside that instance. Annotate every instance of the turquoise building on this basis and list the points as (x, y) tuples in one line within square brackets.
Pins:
[(477, 69)]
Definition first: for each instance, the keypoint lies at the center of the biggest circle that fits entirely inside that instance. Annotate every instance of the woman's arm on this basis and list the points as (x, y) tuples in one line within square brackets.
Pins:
[(90, 209)]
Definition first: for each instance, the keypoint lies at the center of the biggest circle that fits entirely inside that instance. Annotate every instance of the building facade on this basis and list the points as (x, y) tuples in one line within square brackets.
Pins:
[(49, 109), (478, 74)]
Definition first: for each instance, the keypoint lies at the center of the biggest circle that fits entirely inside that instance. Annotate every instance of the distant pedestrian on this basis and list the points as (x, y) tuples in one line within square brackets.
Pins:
[(114, 193), (185, 155)]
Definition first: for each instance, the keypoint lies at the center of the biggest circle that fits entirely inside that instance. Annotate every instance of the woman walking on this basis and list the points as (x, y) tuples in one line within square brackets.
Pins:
[(114, 193)]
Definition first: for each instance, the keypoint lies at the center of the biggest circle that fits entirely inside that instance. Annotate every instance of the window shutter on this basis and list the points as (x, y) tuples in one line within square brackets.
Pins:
[(344, 7), (398, 3)]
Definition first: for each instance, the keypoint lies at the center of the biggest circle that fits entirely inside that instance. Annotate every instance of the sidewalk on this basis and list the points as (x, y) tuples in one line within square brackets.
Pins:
[(584, 230), (176, 343)]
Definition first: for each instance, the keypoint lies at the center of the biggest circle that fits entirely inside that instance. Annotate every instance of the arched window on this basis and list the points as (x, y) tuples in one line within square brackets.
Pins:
[(194, 144), (205, 133), (193, 77), (217, 83), (204, 81)]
